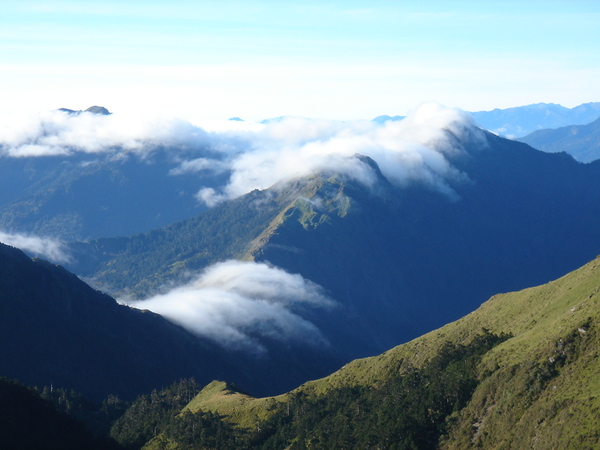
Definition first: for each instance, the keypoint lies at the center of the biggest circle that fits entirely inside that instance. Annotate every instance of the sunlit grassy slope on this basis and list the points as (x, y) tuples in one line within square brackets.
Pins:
[(538, 389)]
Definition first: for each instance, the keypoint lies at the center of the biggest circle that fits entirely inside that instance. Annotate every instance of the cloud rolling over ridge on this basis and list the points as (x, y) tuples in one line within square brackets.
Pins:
[(415, 149), (52, 249)]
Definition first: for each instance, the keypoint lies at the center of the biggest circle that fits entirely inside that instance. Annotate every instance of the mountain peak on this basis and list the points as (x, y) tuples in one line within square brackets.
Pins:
[(99, 110)]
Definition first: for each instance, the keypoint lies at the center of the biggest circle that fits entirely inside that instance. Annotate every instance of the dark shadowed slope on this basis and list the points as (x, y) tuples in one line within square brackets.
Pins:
[(57, 330), (30, 422)]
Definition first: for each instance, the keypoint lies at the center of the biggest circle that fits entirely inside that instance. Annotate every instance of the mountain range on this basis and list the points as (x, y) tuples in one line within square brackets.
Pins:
[(519, 371), (366, 260), (396, 262), (522, 120), (81, 175), (279, 285)]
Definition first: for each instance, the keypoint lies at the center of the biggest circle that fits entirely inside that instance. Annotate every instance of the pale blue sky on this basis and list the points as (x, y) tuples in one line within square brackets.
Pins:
[(330, 59)]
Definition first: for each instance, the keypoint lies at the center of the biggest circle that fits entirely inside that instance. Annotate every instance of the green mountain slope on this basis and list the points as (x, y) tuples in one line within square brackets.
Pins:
[(537, 389), (137, 266), (580, 141)]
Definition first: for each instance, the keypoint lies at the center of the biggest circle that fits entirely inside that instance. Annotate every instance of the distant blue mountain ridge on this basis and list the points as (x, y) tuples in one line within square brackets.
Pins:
[(514, 122), (582, 142), (521, 120)]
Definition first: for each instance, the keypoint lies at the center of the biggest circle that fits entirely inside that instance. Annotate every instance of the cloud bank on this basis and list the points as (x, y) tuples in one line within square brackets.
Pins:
[(52, 133), (47, 248), (239, 304), (414, 150), (252, 156)]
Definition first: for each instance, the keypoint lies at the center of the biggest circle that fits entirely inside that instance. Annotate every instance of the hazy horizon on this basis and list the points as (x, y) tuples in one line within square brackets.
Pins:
[(331, 60)]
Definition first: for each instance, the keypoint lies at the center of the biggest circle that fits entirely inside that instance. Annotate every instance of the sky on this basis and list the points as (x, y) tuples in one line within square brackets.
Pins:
[(343, 60)]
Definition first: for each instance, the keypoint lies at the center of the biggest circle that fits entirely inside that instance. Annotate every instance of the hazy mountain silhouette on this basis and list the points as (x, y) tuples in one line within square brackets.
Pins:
[(522, 120), (582, 142), (84, 196), (100, 110)]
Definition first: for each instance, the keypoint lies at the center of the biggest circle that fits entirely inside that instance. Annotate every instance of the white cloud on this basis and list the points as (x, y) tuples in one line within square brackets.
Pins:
[(59, 133), (199, 165), (52, 249), (210, 197), (237, 304)]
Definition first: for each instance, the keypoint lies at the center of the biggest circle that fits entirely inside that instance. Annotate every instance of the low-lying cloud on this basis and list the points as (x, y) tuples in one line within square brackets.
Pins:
[(48, 248), (240, 304), (417, 149)]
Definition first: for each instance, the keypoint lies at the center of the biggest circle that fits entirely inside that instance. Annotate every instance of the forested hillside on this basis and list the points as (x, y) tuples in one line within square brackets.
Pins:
[(521, 371)]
